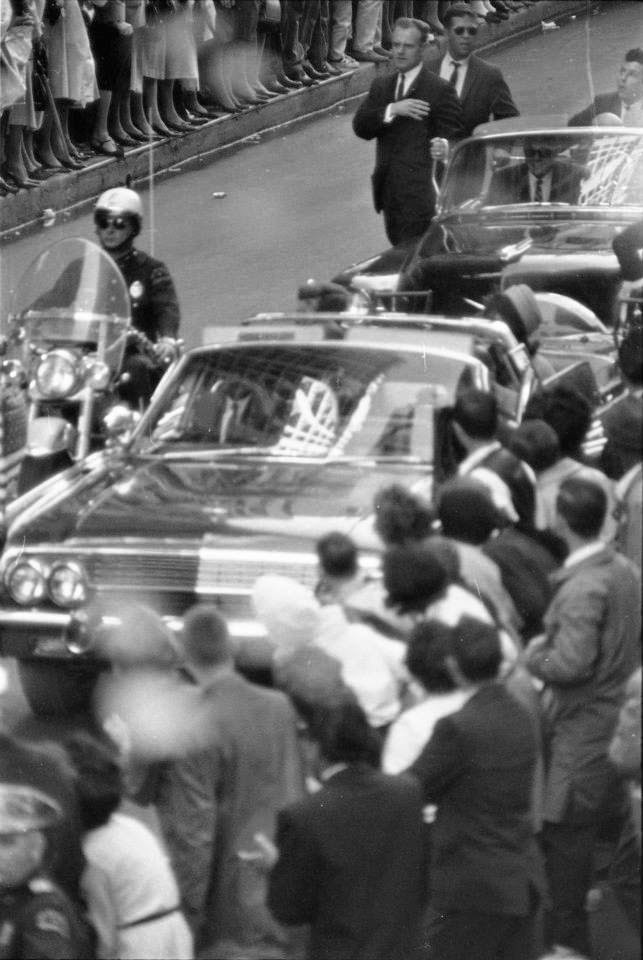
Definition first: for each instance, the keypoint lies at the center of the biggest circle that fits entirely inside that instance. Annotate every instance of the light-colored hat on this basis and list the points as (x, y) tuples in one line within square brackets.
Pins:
[(288, 610), (23, 808)]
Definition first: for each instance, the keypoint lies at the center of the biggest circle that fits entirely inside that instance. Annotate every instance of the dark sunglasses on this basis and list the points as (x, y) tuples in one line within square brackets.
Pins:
[(470, 31), (103, 220), (539, 154)]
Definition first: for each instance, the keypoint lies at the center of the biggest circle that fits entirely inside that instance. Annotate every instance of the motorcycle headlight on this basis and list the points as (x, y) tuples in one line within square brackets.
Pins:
[(58, 374), (67, 584), (26, 581), (96, 373)]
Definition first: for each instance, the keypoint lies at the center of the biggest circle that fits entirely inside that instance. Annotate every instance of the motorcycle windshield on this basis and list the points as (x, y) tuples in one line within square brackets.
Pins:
[(73, 294)]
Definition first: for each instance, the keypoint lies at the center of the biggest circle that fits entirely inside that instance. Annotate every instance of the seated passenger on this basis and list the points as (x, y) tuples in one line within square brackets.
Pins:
[(543, 177)]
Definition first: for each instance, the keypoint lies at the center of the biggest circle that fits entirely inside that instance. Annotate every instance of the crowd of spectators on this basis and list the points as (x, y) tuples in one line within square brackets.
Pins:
[(82, 78), (438, 760)]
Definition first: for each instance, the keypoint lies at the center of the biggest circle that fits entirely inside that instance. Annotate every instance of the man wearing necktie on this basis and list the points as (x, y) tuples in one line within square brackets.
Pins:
[(481, 88), (627, 103), (413, 115), (545, 176)]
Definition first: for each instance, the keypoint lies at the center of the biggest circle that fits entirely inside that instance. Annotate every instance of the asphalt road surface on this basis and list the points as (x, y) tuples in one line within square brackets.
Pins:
[(300, 206)]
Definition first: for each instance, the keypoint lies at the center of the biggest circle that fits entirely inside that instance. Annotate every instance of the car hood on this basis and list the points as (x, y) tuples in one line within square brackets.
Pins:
[(191, 499)]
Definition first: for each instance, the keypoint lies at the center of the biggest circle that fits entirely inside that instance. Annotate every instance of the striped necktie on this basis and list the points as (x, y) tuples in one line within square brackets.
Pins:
[(453, 79), (538, 190), (399, 89)]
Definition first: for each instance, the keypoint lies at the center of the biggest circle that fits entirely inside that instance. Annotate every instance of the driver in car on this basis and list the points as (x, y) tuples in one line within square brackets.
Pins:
[(118, 217), (543, 177)]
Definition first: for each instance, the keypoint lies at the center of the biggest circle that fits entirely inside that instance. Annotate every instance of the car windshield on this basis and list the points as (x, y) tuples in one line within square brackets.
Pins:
[(602, 168), (319, 401)]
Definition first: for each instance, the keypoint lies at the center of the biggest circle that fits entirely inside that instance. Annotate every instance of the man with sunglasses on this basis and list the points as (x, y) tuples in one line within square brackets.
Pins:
[(413, 115), (480, 87), (545, 176), (118, 217)]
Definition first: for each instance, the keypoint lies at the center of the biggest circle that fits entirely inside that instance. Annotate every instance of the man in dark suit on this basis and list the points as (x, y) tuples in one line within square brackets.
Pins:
[(350, 859), (487, 879), (626, 103), (544, 177), (481, 88), (413, 114)]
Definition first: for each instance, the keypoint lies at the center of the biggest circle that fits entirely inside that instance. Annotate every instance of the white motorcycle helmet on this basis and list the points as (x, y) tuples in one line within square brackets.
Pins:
[(121, 202)]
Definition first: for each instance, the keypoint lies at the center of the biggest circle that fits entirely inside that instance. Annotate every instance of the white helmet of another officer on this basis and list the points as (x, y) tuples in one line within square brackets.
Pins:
[(121, 202)]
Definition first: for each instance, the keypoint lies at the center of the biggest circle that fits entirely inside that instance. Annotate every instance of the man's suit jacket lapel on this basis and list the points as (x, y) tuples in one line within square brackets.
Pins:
[(412, 91), (473, 70)]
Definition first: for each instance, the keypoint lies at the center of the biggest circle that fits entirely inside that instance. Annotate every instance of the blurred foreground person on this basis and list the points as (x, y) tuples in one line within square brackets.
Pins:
[(242, 767), (487, 880), (37, 920), (350, 857), (131, 894), (590, 646)]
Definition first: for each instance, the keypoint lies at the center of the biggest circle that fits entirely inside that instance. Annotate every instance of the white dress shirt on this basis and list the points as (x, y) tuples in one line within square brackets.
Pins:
[(409, 80), (446, 69)]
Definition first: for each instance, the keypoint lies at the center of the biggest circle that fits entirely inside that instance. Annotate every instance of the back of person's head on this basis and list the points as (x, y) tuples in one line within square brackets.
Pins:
[(337, 555), (206, 641), (457, 10), (476, 412), (567, 411), (429, 645), (476, 649), (466, 511), (400, 516), (583, 505), (535, 442), (414, 576), (98, 778), (630, 356), (635, 55), (344, 734)]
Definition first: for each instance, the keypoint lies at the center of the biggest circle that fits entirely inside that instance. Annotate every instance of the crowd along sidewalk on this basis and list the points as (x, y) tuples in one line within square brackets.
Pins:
[(67, 194)]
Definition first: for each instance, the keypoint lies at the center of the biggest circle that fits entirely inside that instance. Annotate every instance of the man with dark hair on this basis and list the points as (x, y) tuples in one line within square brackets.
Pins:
[(475, 425), (412, 114), (338, 566), (478, 767), (623, 421), (350, 856), (480, 87), (586, 654), (626, 103)]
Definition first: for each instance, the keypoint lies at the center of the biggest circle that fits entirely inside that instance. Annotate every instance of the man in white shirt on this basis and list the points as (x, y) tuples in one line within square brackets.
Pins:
[(626, 103), (481, 88)]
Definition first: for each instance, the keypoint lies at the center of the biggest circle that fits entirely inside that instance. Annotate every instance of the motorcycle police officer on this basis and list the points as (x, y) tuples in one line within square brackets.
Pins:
[(118, 217), (36, 918)]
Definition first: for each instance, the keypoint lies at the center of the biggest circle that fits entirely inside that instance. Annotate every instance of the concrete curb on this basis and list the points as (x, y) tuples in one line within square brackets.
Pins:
[(67, 195)]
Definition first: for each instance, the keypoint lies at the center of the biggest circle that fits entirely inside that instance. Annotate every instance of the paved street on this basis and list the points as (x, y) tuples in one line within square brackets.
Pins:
[(299, 206)]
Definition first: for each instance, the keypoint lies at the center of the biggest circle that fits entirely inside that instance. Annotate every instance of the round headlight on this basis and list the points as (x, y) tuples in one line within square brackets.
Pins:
[(57, 375), (26, 582), (67, 585), (97, 374)]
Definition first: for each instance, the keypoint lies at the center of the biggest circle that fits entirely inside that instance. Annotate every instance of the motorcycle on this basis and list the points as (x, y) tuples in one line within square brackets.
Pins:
[(68, 332)]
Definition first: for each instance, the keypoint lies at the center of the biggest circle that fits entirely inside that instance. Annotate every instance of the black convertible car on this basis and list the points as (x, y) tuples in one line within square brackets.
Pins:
[(525, 205)]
